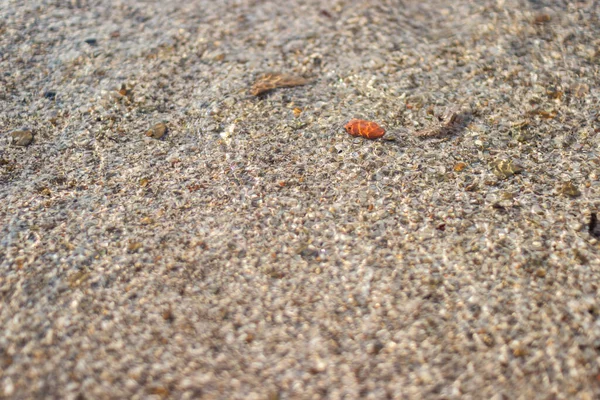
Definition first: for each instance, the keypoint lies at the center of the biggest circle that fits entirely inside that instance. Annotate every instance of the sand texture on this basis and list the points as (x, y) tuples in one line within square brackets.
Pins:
[(171, 226)]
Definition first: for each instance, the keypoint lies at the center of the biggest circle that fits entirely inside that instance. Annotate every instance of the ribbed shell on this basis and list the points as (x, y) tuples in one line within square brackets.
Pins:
[(366, 129)]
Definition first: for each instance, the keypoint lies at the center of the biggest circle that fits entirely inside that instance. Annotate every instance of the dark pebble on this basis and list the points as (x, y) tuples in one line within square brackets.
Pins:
[(593, 226), (50, 95)]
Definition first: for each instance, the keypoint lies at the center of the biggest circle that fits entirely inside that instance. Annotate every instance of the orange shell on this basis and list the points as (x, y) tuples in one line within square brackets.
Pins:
[(366, 129)]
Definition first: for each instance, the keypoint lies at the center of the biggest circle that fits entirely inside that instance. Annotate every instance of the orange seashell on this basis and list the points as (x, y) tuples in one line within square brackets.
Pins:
[(366, 129)]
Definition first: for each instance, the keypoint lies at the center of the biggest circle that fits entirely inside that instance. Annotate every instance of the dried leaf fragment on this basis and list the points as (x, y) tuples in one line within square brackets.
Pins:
[(271, 81), (544, 114)]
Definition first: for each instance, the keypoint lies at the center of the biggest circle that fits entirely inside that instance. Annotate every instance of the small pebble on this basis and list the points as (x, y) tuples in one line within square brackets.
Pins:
[(91, 41), (168, 315), (568, 189), (318, 366), (536, 209), (541, 19), (581, 90), (157, 131), (593, 226), (22, 137), (540, 272), (506, 168), (9, 387), (133, 246)]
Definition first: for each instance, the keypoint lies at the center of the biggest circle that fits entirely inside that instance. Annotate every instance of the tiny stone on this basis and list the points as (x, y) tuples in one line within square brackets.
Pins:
[(229, 102), (541, 19), (131, 384), (536, 209), (522, 136), (569, 189), (472, 187), (520, 351), (22, 137), (134, 246), (168, 315), (123, 91), (158, 390), (9, 387), (318, 366), (581, 90), (157, 131), (91, 41), (459, 166), (487, 339), (505, 168), (521, 124), (507, 196), (540, 272), (593, 226)]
